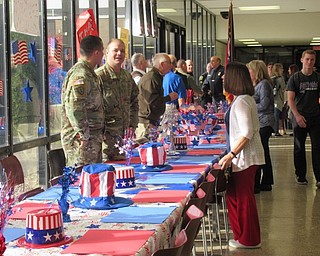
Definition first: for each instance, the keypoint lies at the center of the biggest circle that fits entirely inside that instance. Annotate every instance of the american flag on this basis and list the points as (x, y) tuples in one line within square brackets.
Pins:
[(55, 49), (1, 88), (19, 52), (230, 42)]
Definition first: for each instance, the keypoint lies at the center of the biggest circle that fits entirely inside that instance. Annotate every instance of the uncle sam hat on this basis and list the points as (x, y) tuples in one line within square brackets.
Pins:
[(97, 186)]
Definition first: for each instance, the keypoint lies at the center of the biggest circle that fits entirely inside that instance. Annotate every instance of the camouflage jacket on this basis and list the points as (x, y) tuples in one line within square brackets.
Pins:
[(120, 97), (82, 105)]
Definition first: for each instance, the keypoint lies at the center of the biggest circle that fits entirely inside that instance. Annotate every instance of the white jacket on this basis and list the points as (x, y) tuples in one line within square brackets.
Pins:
[(244, 122)]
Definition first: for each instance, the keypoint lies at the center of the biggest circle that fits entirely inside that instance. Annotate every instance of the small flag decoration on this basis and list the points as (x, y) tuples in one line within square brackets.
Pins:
[(19, 52), (55, 49), (1, 88)]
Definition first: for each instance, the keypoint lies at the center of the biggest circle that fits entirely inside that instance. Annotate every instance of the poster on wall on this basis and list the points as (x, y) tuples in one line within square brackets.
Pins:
[(124, 36), (86, 25)]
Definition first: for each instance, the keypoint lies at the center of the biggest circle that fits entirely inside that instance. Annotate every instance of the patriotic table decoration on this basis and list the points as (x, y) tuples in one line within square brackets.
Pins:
[(97, 186)]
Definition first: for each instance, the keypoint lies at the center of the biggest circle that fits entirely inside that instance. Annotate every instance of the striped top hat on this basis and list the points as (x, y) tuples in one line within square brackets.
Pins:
[(97, 186), (44, 228)]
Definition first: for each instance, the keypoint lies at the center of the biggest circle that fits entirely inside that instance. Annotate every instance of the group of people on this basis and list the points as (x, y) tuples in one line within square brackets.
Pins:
[(99, 105), (249, 123), (102, 105)]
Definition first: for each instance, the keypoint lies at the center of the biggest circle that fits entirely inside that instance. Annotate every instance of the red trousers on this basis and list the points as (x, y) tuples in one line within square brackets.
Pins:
[(242, 208)]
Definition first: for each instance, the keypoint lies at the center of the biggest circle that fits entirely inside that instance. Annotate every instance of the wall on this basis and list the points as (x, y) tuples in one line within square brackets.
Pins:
[(281, 28)]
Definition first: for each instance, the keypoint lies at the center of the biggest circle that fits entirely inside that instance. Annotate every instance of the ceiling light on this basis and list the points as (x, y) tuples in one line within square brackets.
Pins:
[(250, 42), (254, 44), (166, 10), (315, 43), (247, 40), (316, 38), (259, 8)]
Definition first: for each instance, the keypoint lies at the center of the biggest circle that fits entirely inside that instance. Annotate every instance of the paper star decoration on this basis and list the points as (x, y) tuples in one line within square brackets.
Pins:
[(195, 142), (27, 92), (33, 52)]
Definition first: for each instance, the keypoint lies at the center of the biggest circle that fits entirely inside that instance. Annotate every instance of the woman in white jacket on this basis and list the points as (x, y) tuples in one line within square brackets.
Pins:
[(245, 155)]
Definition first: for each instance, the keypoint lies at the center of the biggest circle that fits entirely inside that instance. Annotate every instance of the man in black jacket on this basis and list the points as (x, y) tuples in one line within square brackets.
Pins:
[(214, 80)]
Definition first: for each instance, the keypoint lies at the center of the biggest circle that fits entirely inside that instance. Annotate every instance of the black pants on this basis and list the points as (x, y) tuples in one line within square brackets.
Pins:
[(266, 169), (300, 135)]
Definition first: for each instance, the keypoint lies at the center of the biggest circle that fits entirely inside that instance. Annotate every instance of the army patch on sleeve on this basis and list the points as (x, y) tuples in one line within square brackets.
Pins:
[(79, 88)]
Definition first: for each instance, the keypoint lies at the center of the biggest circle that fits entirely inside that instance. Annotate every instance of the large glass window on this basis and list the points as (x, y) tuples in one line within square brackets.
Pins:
[(34, 166), (27, 83), (104, 20), (3, 92), (60, 56)]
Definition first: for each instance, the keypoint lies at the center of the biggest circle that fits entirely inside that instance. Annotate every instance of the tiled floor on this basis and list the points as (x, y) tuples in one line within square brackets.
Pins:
[(290, 213)]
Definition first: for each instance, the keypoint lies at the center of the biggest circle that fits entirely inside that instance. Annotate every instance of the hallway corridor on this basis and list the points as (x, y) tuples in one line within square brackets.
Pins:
[(289, 214)]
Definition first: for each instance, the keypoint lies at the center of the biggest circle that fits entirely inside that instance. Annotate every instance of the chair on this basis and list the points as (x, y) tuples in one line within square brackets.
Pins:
[(56, 161), (15, 177), (193, 217), (219, 198), (180, 241), (208, 187)]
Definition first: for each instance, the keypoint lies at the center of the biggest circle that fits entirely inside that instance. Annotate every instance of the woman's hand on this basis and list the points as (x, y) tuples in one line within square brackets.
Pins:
[(226, 161)]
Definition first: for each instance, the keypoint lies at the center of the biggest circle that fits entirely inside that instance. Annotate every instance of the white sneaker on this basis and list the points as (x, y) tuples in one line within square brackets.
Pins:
[(235, 244)]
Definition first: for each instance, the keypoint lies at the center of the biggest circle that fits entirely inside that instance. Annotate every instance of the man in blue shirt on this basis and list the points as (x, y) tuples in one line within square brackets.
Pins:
[(173, 83)]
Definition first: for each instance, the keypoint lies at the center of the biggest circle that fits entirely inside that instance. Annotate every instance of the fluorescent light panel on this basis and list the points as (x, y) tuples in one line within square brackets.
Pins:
[(259, 8), (247, 40), (254, 44), (315, 43), (166, 10), (251, 42)]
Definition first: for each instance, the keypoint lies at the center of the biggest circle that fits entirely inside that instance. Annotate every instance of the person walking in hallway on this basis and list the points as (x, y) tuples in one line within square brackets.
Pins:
[(303, 98)]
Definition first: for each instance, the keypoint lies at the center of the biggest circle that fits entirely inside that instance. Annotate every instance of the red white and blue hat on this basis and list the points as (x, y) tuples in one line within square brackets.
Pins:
[(153, 157), (97, 186), (44, 228)]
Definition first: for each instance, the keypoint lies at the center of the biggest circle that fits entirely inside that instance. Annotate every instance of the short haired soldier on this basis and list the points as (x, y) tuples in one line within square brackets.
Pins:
[(82, 107)]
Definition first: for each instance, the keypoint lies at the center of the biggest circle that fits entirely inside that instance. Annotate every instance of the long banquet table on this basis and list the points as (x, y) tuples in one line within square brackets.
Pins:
[(157, 222)]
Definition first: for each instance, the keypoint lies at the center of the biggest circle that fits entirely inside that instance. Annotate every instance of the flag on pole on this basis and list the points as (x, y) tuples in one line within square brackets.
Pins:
[(230, 43), (230, 47), (19, 52)]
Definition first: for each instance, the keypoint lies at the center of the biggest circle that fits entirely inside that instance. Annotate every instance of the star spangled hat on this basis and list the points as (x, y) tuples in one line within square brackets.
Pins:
[(153, 157), (44, 228), (97, 186)]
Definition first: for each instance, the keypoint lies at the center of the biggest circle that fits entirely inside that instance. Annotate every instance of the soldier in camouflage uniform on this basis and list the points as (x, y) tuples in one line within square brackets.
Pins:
[(82, 107), (120, 96)]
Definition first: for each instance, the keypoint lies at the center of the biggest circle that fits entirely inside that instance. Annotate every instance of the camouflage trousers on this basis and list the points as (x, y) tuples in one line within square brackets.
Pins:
[(89, 153)]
